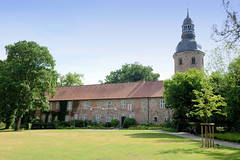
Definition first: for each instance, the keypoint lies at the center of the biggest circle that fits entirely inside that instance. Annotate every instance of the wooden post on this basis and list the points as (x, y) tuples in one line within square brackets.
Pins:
[(205, 136), (210, 136), (202, 134), (213, 135)]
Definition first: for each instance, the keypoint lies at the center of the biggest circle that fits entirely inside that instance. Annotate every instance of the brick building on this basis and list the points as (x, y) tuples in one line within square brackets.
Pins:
[(143, 101), (103, 102)]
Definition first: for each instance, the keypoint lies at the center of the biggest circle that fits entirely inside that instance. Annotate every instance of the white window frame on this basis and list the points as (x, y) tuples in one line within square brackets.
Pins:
[(57, 105), (162, 103), (84, 117), (69, 106), (115, 116), (75, 116), (49, 118), (131, 115), (109, 103), (98, 117), (129, 106), (109, 118), (85, 105), (67, 118), (50, 105), (123, 104)]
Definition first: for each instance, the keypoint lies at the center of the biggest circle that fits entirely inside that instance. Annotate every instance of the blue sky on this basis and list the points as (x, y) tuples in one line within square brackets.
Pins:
[(94, 37)]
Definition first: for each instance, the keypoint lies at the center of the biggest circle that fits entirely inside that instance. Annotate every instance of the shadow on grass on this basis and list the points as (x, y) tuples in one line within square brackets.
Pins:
[(214, 153), (153, 135), (6, 130)]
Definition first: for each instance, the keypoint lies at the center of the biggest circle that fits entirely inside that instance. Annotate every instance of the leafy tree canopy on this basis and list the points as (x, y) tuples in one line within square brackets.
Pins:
[(70, 79), (131, 73), (179, 92), (28, 73)]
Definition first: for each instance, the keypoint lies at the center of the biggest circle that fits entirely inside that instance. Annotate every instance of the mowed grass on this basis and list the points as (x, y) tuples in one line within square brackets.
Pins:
[(105, 145)]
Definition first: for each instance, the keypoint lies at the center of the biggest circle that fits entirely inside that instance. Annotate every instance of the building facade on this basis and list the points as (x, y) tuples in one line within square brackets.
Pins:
[(143, 101)]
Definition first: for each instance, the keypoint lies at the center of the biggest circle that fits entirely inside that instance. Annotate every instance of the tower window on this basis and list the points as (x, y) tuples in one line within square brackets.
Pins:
[(180, 61), (202, 61), (193, 60)]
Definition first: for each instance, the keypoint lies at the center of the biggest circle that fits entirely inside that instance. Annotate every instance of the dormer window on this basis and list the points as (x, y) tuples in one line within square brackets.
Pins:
[(193, 60)]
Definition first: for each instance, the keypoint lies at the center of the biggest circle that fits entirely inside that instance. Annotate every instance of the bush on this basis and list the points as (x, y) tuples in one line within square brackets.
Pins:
[(2, 125), (129, 122), (115, 123), (107, 124), (233, 137)]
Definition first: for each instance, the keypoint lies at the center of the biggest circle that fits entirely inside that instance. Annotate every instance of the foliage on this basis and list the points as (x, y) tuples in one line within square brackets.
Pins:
[(179, 93), (220, 57), (28, 74), (233, 137), (132, 73), (63, 110), (207, 103), (231, 29), (115, 122), (128, 122), (70, 79)]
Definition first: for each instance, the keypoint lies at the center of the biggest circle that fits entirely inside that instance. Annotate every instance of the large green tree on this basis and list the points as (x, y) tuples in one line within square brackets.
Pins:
[(179, 92), (70, 79), (132, 73), (207, 103), (28, 75)]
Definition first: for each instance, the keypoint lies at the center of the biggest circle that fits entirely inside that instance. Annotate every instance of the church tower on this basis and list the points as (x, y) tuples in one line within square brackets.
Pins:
[(188, 53)]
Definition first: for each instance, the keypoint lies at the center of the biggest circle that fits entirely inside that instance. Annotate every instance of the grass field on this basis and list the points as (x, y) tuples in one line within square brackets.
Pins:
[(104, 144)]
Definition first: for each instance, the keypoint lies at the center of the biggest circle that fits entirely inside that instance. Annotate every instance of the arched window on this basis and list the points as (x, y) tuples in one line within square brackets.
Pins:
[(193, 60), (180, 61), (202, 61)]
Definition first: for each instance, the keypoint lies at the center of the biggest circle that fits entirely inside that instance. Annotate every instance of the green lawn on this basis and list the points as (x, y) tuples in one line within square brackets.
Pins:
[(104, 144)]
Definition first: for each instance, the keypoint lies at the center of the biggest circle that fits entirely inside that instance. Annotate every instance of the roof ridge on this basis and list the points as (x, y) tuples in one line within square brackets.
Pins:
[(107, 84)]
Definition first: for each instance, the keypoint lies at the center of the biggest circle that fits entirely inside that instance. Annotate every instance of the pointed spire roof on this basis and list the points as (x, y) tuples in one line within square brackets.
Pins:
[(187, 20)]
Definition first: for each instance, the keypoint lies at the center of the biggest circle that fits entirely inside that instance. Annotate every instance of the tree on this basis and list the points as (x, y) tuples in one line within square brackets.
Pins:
[(131, 73), (30, 73), (70, 79), (179, 93), (231, 29), (207, 102)]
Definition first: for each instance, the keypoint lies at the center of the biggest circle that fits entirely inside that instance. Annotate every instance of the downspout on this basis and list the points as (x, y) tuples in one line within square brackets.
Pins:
[(148, 110)]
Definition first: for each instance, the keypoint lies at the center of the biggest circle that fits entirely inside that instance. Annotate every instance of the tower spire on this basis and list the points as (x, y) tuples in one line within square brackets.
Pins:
[(187, 13)]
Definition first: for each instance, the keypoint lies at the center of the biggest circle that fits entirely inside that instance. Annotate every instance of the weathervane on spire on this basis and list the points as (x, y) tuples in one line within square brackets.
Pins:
[(187, 12)]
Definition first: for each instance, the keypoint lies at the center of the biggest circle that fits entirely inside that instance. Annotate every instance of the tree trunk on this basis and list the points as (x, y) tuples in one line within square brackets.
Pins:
[(18, 123)]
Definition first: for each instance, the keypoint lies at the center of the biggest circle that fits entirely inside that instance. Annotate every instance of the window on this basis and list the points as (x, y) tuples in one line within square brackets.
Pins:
[(129, 106), (202, 61), (85, 105), (75, 116), (155, 119), (123, 104), (43, 118), (84, 117), (57, 105), (162, 103), (49, 118), (56, 118), (109, 118), (131, 115), (69, 106), (109, 104), (193, 60), (166, 119), (180, 61), (115, 116), (67, 118), (50, 106), (98, 117)]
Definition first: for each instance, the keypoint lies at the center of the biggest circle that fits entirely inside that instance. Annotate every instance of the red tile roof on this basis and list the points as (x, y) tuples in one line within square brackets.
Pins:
[(110, 91)]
